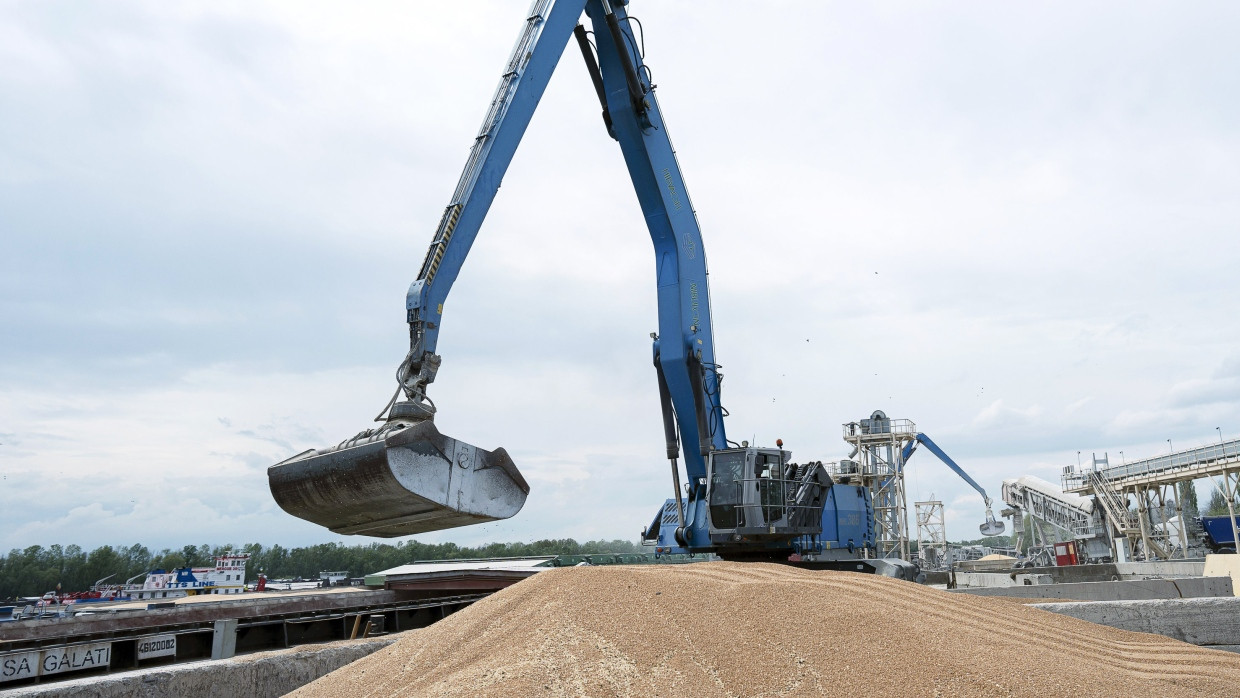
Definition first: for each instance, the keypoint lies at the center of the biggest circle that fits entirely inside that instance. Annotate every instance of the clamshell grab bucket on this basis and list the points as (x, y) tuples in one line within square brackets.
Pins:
[(406, 478), (992, 527)]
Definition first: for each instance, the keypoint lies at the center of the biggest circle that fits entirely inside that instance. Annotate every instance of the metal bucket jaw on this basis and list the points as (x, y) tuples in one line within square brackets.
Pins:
[(402, 479), (992, 527)]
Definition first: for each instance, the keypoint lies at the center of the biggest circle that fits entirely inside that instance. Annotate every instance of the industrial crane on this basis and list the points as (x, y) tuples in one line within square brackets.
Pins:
[(739, 501), (991, 526)]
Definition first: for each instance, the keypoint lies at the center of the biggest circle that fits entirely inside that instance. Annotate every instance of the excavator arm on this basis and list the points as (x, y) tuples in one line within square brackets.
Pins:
[(405, 477), (992, 526), (548, 26)]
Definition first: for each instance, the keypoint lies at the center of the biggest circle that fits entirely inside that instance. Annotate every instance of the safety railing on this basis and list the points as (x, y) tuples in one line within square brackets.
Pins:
[(1074, 478), (1115, 505), (854, 430)]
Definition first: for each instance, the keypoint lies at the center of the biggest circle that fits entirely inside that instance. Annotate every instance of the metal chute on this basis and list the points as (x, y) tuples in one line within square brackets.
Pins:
[(400, 479)]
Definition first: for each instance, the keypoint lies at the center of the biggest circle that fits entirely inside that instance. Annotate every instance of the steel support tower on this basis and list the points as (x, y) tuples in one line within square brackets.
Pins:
[(877, 446), (931, 534)]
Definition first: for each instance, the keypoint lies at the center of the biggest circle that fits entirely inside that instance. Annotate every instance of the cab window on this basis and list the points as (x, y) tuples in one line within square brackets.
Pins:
[(728, 470)]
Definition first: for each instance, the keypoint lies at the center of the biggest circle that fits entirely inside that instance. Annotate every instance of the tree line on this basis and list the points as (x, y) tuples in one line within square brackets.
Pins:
[(36, 569)]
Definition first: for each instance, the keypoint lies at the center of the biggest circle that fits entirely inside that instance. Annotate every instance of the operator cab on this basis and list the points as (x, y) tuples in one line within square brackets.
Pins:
[(756, 493)]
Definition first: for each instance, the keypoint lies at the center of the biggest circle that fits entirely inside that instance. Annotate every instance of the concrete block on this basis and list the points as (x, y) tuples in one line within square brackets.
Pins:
[(1111, 572), (1112, 591), (1160, 568), (261, 675), (224, 639), (976, 580), (1224, 566), (1034, 579), (1202, 621)]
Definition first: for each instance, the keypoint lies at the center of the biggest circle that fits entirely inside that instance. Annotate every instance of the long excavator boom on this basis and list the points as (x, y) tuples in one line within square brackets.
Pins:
[(405, 477), (991, 526)]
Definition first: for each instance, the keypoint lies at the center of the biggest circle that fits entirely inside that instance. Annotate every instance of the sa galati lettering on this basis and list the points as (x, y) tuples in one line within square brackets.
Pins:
[(16, 667), (63, 661)]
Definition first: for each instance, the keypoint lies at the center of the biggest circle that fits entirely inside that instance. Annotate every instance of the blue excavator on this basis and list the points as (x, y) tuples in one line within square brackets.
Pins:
[(737, 500)]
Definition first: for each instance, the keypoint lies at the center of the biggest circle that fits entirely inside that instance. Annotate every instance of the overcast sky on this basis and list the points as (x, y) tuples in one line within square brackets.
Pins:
[(1016, 225)]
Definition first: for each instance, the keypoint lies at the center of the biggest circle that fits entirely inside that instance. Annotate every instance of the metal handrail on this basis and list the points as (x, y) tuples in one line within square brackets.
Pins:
[(890, 427), (1116, 509), (1202, 455)]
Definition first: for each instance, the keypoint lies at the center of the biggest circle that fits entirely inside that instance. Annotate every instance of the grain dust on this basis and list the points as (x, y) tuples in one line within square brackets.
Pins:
[(731, 629)]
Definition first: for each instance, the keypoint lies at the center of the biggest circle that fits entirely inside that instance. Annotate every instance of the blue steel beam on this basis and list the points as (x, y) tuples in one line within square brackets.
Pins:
[(934, 448), (549, 25), (685, 346), (686, 336)]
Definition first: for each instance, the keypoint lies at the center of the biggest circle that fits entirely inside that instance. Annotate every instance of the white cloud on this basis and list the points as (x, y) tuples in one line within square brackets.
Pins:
[(1200, 392), (999, 416)]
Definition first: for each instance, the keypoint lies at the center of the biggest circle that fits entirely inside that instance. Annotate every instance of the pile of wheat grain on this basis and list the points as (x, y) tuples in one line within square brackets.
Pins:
[(729, 629)]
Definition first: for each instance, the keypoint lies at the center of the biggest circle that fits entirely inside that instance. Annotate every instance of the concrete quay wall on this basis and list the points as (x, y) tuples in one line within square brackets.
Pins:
[(1203, 621), (1133, 590)]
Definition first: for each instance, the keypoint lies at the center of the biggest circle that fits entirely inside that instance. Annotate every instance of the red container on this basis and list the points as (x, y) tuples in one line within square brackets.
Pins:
[(1065, 554)]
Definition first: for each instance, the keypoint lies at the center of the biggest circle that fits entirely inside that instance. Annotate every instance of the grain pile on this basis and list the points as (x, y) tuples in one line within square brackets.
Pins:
[(729, 629)]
